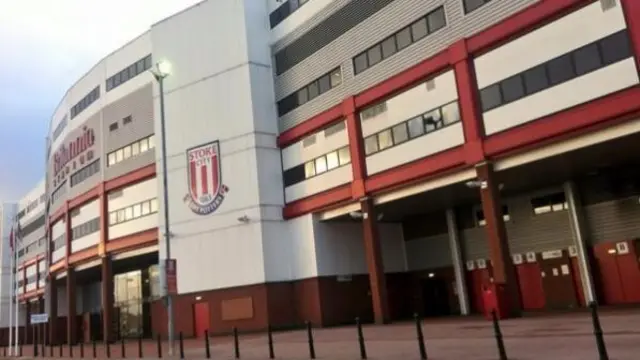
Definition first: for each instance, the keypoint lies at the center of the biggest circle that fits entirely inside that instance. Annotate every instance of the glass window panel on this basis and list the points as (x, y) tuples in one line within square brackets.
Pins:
[(135, 149), (432, 120), (113, 218), (490, 97), (385, 139), (615, 47), (400, 133), (344, 155), (451, 113), (313, 90), (321, 165), (471, 5), (360, 63), (121, 215), (336, 77), (154, 205), (512, 88), (128, 213), (370, 145), (375, 55), (302, 95), (389, 47), (587, 59), (118, 155), (145, 208), (332, 160), (152, 141), (126, 152), (309, 169), (144, 145), (403, 38), (325, 84), (535, 79), (111, 159), (436, 20), (419, 29), (137, 210), (560, 70), (416, 127)]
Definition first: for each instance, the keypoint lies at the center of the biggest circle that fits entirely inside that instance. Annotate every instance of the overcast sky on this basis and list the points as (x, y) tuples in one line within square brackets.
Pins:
[(46, 45)]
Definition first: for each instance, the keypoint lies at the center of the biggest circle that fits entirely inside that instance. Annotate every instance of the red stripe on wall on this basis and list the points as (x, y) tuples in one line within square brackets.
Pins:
[(316, 202), (214, 172), (632, 16), (192, 178), (204, 179)]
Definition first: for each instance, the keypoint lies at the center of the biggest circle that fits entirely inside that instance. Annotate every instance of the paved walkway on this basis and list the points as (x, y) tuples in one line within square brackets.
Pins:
[(557, 337)]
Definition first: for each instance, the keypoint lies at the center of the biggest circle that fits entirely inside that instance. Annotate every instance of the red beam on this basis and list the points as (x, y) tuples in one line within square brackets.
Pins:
[(83, 198), (632, 16), (310, 126), (317, 202), (132, 177), (565, 122)]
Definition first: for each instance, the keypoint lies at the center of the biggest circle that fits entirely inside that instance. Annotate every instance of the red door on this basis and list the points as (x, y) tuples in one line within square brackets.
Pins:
[(531, 289), (201, 318)]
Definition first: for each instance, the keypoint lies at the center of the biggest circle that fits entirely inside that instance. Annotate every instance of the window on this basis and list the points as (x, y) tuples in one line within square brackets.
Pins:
[(410, 129), (373, 111), (481, 221), (59, 128), (335, 129), (129, 73), (584, 60), (89, 99), (285, 10), (415, 32), (59, 242), (317, 166), (549, 203), (85, 229), (133, 211), (59, 192), (130, 150), (472, 5), (127, 120), (85, 173), (113, 126), (310, 91)]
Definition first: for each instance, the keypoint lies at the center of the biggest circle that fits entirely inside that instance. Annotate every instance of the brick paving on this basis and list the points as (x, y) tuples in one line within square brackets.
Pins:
[(566, 336)]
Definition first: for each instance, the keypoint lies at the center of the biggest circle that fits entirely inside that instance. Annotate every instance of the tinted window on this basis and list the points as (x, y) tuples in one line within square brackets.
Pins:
[(375, 55), (436, 20), (389, 47), (490, 97), (403, 38), (419, 29), (360, 63), (587, 59), (615, 47), (560, 70), (512, 88), (535, 79)]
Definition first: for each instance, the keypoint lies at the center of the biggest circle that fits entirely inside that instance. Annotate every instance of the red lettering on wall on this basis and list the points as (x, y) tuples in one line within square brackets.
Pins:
[(70, 151)]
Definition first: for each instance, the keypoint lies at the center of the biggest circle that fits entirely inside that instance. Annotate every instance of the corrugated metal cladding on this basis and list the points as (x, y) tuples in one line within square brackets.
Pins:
[(611, 208), (378, 26)]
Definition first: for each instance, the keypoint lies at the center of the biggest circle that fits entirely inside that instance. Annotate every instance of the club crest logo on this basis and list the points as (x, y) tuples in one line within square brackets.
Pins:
[(206, 191)]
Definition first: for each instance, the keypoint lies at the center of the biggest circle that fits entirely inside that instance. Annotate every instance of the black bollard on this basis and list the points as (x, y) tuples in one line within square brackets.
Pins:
[(496, 329), (4, 351), (81, 349), (207, 351), (140, 347), (70, 349), (51, 349), (122, 347), (93, 345), (421, 347), (363, 349), (597, 331), (270, 341), (159, 347), (35, 344), (181, 346), (20, 349), (236, 343), (312, 349), (107, 346), (60, 349)]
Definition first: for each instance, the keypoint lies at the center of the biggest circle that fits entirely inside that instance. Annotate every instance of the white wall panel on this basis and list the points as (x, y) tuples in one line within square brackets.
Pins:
[(93, 78), (296, 154), (31, 270), (117, 61), (300, 16), (85, 242), (413, 102), (340, 248), (58, 254), (85, 213), (415, 149), (42, 266), (612, 78), (57, 229), (133, 194), (133, 226), (32, 196), (319, 183), (561, 36)]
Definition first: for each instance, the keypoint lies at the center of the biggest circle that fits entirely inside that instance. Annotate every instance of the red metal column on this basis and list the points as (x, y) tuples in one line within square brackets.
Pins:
[(632, 16), (28, 329), (468, 101), (356, 148), (68, 228), (72, 334), (373, 255), (107, 300), (505, 284), (53, 310)]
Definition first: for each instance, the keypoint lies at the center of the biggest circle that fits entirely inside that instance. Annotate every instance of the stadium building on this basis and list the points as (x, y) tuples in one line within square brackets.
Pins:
[(333, 159)]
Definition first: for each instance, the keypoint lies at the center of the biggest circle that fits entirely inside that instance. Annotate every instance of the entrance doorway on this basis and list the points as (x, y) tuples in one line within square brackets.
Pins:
[(557, 282), (201, 318), (435, 297)]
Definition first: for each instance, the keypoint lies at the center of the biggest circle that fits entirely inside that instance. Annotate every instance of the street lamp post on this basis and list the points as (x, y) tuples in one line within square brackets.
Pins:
[(160, 72)]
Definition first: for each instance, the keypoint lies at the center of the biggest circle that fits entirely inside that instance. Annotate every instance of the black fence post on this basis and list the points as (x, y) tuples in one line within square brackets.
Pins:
[(122, 347), (20, 348), (236, 342), (35, 343), (51, 349), (140, 347), (597, 331), (60, 348), (82, 349), (421, 347), (181, 347), (207, 352), (93, 345), (107, 345), (70, 349), (159, 347), (363, 349), (270, 341), (4, 351), (496, 329), (312, 349)]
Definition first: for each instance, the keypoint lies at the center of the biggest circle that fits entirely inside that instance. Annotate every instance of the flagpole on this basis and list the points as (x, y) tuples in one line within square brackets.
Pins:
[(11, 293), (17, 322)]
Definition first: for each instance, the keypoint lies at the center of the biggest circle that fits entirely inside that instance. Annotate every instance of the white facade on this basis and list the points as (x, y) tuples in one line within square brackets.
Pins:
[(7, 216)]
